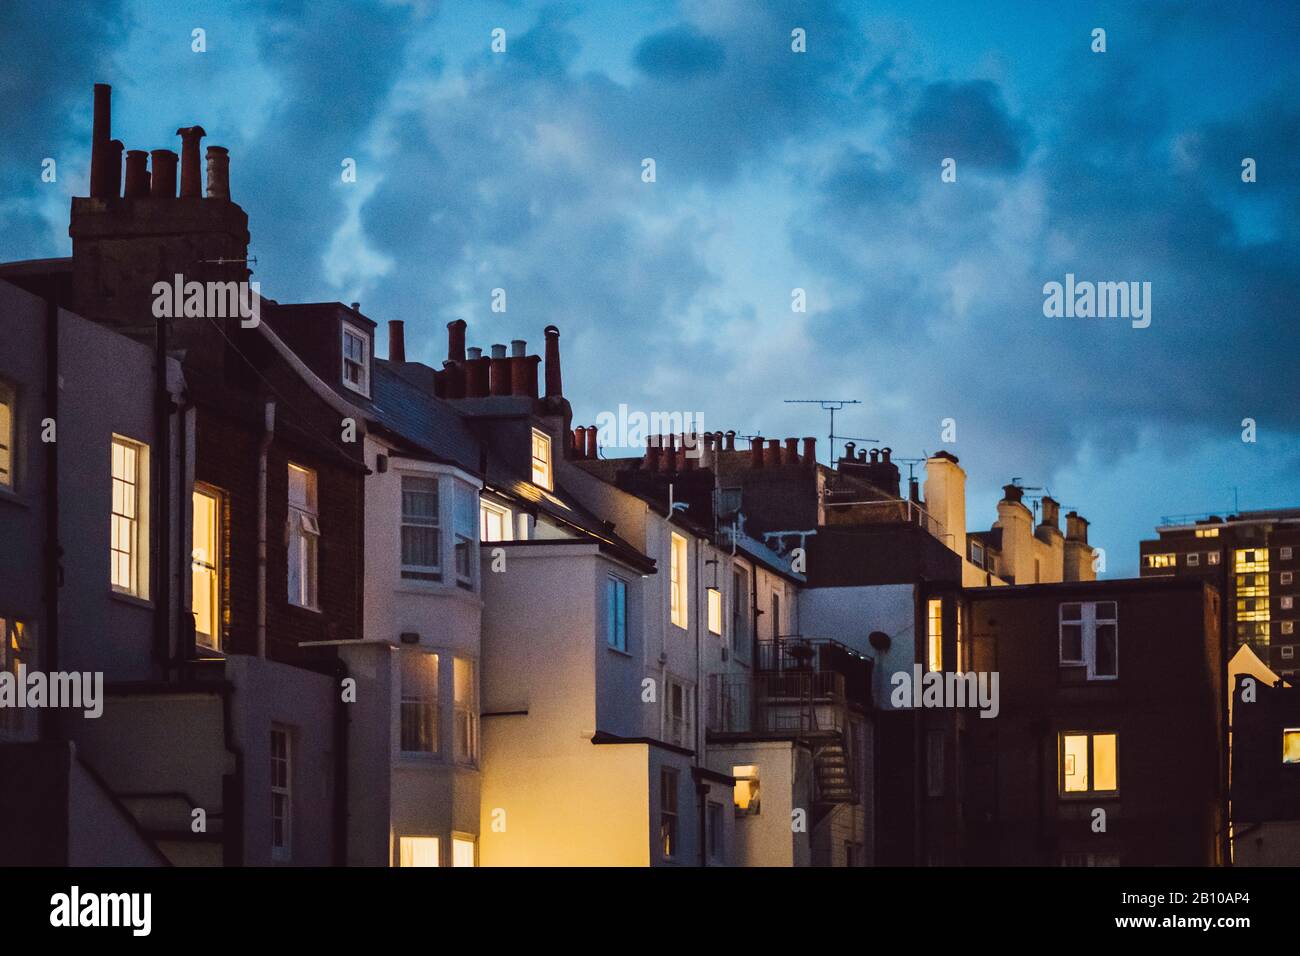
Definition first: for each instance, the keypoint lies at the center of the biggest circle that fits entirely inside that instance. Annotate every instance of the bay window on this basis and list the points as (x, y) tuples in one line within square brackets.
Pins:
[(421, 557), (419, 705), (465, 718)]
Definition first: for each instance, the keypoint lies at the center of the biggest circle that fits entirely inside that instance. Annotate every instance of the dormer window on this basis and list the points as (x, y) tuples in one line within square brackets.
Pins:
[(542, 459), (356, 359)]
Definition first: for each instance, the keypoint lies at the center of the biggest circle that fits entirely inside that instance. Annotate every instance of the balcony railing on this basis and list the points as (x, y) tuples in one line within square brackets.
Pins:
[(796, 704), (794, 653), (889, 511)]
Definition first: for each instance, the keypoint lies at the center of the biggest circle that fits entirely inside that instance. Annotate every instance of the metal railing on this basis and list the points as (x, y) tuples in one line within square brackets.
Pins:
[(890, 511), (793, 704)]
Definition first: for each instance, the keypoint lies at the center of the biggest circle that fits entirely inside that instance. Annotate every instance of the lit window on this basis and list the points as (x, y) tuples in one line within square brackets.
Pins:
[(1089, 635), (1088, 763), (1161, 560), (1250, 567), (1207, 532), (616, 613), (1212, 557), (715, 611), (127, 553), (1288, 627), (205, 566), (746, 792), (934, 768), (1291, 745), (1284, 554), (466, 710), (462, 852), (418, 851), (494, 522), (961, 646), (304, 536), (677, 581), (419, 709), (465, 529), (16, 648), (356, 360), (7, 406), (1287, 577), (542, 459), (934, 634), (420, 529), (1193, 559), (668, 812), (1287, 603), (281, 794)]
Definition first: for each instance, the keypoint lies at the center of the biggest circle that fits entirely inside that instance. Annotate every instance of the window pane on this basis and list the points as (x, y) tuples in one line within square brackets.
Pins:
[(417, 851), (1106, 662), (419, 707), (462, 852), (1074, 756), (1071, 612), (1071, 642), (1103, 762), (1291, 746)]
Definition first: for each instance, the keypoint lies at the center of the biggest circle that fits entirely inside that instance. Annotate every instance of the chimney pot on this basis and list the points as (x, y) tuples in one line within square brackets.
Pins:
[(474, 353), (456, 340), (885, 453), (191, 181), (591, 441), (756, 452), (554, 386), (100, 135), (396, 340), (848, 450), (810, 451), (518, 347), (137, 174), (498, 351), (731, 440), (218, 172), (875, 455), (162, 180)]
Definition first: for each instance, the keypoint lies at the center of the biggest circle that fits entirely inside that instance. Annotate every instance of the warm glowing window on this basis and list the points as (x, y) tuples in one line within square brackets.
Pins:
[(462, 852), (356, 360), (281, 793), (1212, 557), (677, 580), (542, 459), (418, 851), (16, 647), (616, 613), (1089, 636), (419, 708), (715, 611), (746, 792), (205, 566), (421, 554), (1161, 560), (1088, 763), (7, 406), (1291, 745), (1251, 570), (304, 536), (668, 779), (128, 547), (934, 634), (466, 710), (961, 646), (494, 522), (1207, 532)]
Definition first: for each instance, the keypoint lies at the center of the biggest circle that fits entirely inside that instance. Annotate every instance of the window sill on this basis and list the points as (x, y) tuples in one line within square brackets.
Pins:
[(619, 651), (133, 600), (438, 589), (13, 498), (300, 608)]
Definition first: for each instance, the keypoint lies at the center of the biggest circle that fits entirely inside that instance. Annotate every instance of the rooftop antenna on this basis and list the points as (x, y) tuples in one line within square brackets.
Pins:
[(831, 405)]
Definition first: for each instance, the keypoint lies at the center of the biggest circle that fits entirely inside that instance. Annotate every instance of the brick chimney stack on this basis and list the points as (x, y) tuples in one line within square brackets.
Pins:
[(191, 180), (396, 340), (554, 385), (101, 134)]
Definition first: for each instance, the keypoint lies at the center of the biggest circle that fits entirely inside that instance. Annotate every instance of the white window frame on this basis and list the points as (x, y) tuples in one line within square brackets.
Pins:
[(716, 615), (490, 509), (669, 816), (8, 434), (679, 730), (1284, 554), (282, 851), (678, 581), (1286, 577), (420, 572), (1193, 559), (1287, 602), (465, 728), (361, 387), (1288, 650), (1288, 627), (464, 534), (425, 698), (303, 533), (616, 624), (408, 844), (209, 567), (741, 612), (1212, 557), (1087, 623), (129, 517), (543, 471)]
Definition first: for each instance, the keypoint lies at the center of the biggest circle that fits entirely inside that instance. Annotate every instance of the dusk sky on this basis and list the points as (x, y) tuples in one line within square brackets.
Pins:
[(775, 170)]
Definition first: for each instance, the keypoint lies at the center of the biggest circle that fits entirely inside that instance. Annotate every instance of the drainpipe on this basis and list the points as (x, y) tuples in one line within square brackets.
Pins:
[(263, 450), (53, 551), (340, 767), (162, 495)]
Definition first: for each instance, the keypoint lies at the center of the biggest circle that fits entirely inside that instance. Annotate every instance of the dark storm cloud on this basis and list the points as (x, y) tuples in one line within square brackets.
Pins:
[(967, 121)]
